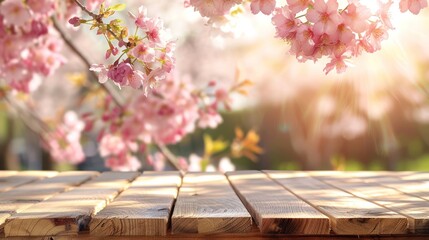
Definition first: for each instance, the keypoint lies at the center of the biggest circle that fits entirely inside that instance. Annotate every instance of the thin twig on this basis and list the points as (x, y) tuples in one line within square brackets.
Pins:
[(163, 149), (85, 60), (169, 155), (22, 114), (96, 18)]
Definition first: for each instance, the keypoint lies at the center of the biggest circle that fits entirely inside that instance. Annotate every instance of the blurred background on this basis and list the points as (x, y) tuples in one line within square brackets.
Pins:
[(373, 117)]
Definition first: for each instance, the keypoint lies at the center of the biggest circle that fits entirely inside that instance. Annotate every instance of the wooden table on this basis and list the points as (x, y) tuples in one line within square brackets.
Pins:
[(242, 204)]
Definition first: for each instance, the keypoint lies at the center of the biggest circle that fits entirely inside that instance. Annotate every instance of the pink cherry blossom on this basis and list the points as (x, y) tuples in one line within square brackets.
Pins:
[(120, 73), (64, 142), (325, 17), (102, 71), (356, 17), (15, 12), (285, 22), (141, 18), (144, 53), (264, 6), (413, 6), (298, 5), (209, 118), (123, 163)]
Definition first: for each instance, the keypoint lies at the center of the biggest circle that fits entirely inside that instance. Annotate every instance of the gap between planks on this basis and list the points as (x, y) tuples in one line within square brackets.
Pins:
[(207, 204), (141, 210), (275, 209), (68, 213), (348, 214)]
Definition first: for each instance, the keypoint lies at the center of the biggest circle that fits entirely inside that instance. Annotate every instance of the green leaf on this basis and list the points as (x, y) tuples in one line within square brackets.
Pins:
[(118, 7)]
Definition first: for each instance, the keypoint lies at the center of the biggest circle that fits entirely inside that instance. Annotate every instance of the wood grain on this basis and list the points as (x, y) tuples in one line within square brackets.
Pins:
[(141, 210), (68, 213), (275, 209), (348, 214), (413, 186), (414, 208), (45, 188), (9, 180), (207, 204)]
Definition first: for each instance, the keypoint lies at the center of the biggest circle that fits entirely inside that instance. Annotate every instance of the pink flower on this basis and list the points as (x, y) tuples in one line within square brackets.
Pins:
[(38, 29), (375, 35), (356, 17), (144, 53), (101, 70), (384, 14), (157, 160), (209, 118), (141, 18), (285, 22), (298, 5), (413, 6), (264, 6), (120, 73), (337, 62), (124, 162), (42, 7), (15, 12), (64, 142), (325, 17)]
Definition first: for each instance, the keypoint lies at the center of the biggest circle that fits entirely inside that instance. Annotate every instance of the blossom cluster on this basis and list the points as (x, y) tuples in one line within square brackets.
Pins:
[(142, 58), (63, 143), (29, 45), (163, 116), (336, 29), (317, 29)]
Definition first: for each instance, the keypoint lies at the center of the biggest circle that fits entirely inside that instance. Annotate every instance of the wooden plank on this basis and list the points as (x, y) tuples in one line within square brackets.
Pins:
[(158, 179), (348, 214), (43, 189), (141, 210), (275, 209), (414, 208), (207, 204), (68, 213), (411, 183), (7, 173), (412, 176), (10, 181)]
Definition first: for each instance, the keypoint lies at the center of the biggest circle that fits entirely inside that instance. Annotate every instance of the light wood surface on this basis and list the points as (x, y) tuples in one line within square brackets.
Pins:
[(414, 208), (70, 212), (131, 205), (275, 209), (141, 210), (207, 204), (10, 180), (45, 188), (348, 214)]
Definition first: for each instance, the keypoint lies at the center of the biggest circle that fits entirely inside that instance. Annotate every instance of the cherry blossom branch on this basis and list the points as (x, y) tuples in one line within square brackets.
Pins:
[(96, 18), (169, 156), (163, 149), (74, 48), (25, 116)]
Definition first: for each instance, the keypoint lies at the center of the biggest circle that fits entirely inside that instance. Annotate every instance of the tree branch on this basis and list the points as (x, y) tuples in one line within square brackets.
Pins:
[(117, 98), (163, 149), (95, 17), (169, 156)]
